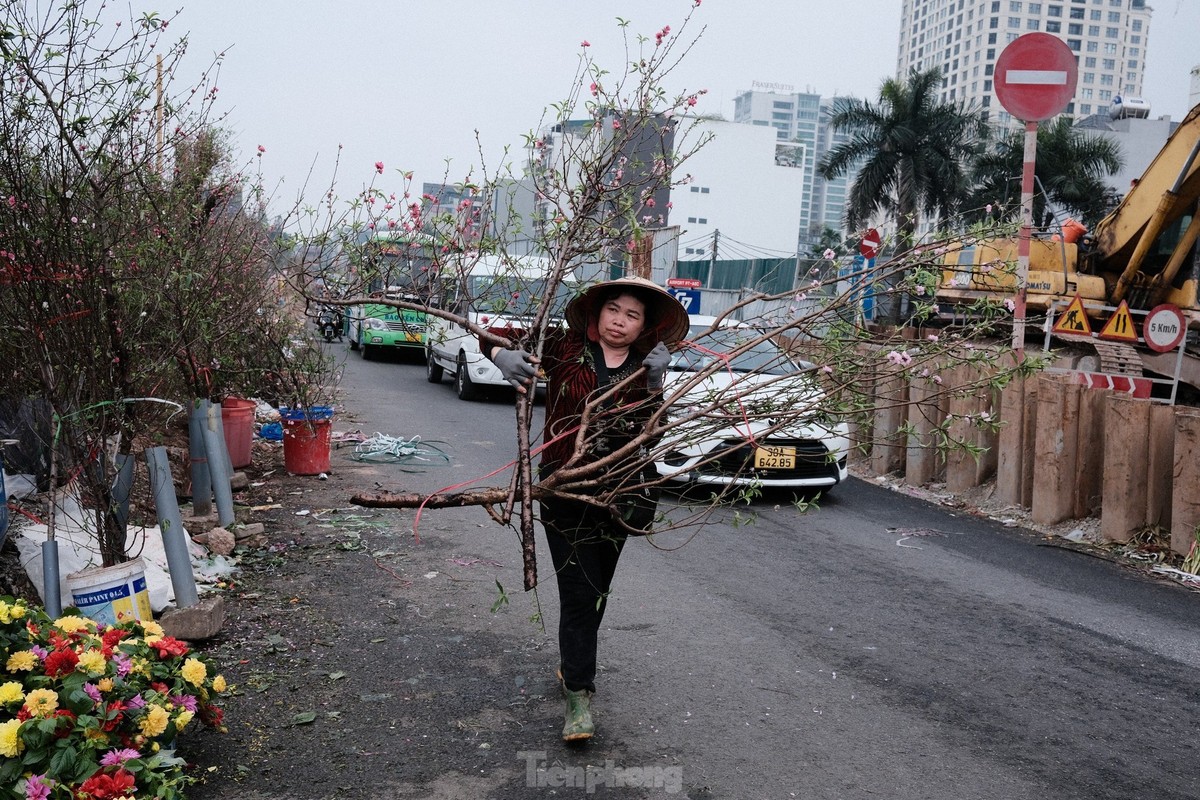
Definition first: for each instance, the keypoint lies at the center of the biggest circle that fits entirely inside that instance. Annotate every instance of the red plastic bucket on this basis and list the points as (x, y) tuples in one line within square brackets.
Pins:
[(237, 417), (306, 444)]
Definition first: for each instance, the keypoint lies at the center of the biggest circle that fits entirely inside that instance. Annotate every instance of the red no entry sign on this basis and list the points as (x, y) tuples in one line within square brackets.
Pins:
[(869, 247), (1035, 77)]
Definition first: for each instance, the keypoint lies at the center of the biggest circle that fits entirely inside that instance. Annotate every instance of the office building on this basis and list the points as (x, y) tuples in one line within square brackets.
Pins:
[(964, 38), (802, 137), (740, 200)]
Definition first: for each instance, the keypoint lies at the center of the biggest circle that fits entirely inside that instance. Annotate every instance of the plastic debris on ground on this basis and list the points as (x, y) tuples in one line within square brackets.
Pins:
[(385, 449), (18, 486), (1177, 574), (79, 549), (272, 431), (265, 412)]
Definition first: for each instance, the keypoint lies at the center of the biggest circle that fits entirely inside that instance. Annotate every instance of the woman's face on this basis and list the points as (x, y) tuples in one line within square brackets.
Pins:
[(622, 320)]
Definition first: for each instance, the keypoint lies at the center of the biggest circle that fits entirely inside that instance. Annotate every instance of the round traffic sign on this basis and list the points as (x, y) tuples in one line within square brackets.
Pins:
[(869, 247), (1164, 328), (1035, 77)]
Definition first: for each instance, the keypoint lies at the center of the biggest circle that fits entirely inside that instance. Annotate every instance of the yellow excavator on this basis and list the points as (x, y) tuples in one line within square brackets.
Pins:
[(1143, 252)]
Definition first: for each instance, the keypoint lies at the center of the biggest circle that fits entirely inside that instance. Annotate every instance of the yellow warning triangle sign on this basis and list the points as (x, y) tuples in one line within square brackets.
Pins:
[(1074, 319), (1120, 326)]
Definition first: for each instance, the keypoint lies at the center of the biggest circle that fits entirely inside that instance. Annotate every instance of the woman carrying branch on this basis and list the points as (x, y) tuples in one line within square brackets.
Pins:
[(604, 378)]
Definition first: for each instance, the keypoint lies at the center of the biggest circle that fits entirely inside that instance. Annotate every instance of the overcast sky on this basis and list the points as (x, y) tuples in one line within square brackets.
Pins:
[(408, 82)]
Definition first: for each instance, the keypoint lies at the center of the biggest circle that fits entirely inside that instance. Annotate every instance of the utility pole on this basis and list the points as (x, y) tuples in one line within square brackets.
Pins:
[(712, 260)]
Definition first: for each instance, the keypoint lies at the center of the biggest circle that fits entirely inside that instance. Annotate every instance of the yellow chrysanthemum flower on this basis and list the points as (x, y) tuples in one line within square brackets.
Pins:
[(105, 684), (42, 702), (183, 718), (92, 662), (22, 661), (152, 628), (72, 624), (194, 671), (153, 638), (155, 721), (140, 666), (10, 739), (11, 611), (219, 684), (11, 692), (95, 735)]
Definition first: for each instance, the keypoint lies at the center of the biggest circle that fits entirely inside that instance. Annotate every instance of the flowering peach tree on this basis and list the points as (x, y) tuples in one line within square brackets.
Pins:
[(134, 260)]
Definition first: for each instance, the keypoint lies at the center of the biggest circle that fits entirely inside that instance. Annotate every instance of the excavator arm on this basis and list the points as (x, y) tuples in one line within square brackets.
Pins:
[(1128, 238)]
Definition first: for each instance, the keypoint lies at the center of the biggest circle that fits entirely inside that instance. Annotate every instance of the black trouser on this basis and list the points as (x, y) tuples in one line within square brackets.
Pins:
[(585, 548)]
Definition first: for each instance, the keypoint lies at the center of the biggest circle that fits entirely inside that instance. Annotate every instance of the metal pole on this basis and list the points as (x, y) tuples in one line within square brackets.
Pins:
[(179, 561), (220, 419), (1018, 340), (51, 587), (214, 445), (201, 479)]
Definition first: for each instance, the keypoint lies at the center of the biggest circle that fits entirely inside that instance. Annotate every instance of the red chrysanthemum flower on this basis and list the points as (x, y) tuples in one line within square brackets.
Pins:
[(169, 646), (212, 716), (110, 638), (105, 787), (61, 662), (112, 716), (64, 730)]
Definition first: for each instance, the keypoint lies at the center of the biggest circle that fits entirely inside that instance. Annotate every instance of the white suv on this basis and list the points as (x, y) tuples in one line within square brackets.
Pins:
[(497, 294)]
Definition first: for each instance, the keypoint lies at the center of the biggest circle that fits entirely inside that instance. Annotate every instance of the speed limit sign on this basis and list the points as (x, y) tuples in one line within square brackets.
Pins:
[(1164, 328)]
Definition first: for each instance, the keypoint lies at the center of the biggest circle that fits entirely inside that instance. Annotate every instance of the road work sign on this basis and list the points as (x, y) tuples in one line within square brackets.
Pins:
[(1074, 320)]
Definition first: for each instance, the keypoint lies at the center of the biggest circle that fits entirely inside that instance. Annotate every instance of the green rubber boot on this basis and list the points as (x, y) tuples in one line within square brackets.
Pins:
[(578, 725)]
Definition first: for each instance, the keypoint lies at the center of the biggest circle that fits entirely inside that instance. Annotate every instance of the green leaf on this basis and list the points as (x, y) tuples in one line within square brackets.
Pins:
[(304, 718), (63, 762), (336, 676), (501, 600)]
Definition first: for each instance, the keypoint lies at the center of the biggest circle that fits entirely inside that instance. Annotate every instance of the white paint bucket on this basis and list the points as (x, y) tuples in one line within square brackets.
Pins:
[(110, 595)]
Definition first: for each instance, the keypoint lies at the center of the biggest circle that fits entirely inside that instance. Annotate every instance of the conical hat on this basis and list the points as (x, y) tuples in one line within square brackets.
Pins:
[(671, 317)]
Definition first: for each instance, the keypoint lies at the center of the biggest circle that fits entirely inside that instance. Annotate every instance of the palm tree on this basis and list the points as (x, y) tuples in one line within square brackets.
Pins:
[(915, 152), (1071, 165)]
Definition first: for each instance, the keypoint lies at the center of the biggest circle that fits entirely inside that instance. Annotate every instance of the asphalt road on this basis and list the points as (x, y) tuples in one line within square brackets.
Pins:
[(876, 647)]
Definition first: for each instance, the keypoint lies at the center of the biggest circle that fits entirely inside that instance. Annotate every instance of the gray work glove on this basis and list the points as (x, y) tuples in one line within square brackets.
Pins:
[(656, 362), (516, 366)]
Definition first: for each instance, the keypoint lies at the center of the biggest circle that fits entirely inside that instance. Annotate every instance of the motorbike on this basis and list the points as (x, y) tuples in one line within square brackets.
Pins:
[(329, 322)]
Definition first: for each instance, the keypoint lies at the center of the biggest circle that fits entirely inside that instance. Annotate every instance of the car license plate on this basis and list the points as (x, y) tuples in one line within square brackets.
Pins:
[(774, 458)]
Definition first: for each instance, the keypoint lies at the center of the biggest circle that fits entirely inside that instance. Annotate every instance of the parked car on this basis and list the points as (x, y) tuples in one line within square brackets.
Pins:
[(498, 294), (758, 420)]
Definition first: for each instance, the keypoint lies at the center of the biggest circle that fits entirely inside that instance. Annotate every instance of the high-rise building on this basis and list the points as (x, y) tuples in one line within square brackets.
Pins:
[(802, 136), (965, 37)]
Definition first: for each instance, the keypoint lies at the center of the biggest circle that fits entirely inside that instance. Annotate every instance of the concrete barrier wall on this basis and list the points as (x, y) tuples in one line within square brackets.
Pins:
[(1062, 451)]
